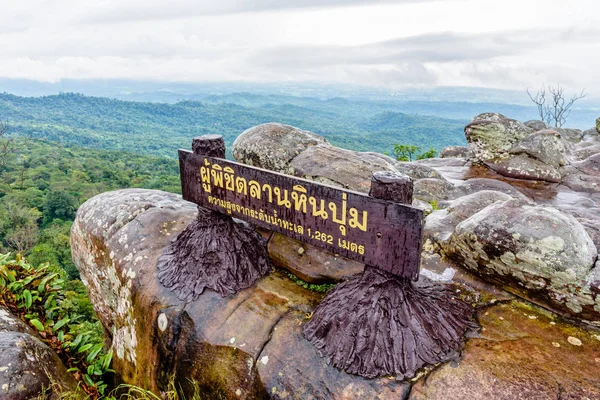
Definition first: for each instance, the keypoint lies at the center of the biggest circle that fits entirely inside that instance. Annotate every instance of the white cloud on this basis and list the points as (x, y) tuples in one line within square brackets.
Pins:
[(389, 43)]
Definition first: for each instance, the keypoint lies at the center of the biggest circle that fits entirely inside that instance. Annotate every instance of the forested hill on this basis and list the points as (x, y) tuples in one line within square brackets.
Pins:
[(43, 183), (160, 129)]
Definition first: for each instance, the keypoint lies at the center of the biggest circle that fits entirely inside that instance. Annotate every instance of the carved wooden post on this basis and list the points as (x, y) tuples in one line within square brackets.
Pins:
[(380, 323), (213, 251), (393, 186), (209, 145)]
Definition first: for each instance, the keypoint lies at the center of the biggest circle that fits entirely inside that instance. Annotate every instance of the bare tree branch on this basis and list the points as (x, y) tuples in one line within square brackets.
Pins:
[(559, 109)]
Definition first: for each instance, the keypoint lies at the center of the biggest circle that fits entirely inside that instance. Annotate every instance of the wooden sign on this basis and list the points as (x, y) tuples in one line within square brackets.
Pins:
[(376, 232)]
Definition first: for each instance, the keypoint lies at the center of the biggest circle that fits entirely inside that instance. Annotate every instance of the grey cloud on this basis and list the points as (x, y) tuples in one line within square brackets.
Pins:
[(433, 47)]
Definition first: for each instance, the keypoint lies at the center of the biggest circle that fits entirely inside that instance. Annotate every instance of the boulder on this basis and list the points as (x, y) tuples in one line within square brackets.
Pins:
[(431, 189), (273, 145), (244, 346), (28, 367), (584, 176), (535, 252), (536, 125), (474, 185), (544, 146), (584, 152), (454, 152), (522, 166), (335, 166), (440, 224), (492, 135), (571, 135)]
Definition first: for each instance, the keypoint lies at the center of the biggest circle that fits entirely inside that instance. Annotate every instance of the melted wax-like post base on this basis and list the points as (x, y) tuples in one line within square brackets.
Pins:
[(213, 252), (381, 325)]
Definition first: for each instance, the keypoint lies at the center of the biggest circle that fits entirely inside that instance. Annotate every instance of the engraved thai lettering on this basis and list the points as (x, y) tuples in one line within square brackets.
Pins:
[(354, 220), (299, 197), (343, 243), (241, 185), (318, 213), (354, 247), (261, 215), (361, 250), (282, 202), (254, 189), (299, 229), (205, 175), (229, 178), (270, 191), (217, 175), (334, 214)]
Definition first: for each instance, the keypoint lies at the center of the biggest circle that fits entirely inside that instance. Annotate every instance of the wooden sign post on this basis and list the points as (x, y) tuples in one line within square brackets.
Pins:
[(377, 232), (363, 323)]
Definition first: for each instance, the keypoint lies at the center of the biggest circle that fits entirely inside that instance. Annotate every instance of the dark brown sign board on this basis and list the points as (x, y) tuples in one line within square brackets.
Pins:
[(376, 232)]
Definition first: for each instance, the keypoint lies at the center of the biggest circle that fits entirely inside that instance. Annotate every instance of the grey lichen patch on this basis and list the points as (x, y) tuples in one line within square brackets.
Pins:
[(110, 292)]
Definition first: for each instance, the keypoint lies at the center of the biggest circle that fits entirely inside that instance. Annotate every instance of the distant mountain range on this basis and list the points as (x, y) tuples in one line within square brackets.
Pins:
[(165, 117)]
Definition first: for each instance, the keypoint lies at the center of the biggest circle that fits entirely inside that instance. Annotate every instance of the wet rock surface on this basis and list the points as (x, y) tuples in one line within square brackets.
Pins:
[(522, 352), (28, 367)]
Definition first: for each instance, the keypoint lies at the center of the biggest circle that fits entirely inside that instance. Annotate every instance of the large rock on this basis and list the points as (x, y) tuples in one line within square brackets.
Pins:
[(571, 135), (544, 146), (584, 176), (534, 251), (28, 367), (333, 165), (273, 145), (522, 166), (591, 135), (250, 345), (440, 224), (536, 125), (243, 346), (492, 135)]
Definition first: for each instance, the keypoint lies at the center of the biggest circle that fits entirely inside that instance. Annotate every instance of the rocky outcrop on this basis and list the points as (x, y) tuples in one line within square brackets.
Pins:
[(231, 347), (501, 238), (273, 145), (250, 345), (28, 367), (491, 135), (535, 251), (310, 156), (514, 150)]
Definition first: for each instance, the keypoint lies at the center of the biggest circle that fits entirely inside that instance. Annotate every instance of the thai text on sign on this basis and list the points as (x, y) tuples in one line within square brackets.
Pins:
[(372, 231)]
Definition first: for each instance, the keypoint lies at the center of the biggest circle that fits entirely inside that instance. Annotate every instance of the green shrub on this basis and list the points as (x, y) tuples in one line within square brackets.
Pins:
[(62, 315)]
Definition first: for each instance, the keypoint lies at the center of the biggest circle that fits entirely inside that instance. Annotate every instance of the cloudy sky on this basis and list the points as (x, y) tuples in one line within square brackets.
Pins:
[(509, 44)]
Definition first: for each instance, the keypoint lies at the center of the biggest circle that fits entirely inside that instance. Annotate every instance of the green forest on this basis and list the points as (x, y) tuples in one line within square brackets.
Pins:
[(160, 129), (43, 183)]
